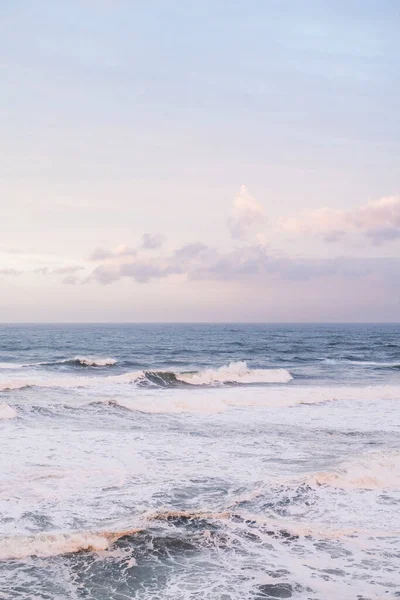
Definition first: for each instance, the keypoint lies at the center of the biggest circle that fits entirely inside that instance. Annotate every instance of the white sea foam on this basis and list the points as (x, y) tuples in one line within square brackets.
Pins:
[(84, 361), (171, 405), (95, 361), (362, 363), (53, 544), (375, 470), (217, 400), (50, 545), (7, 412), (9, 366), (236, 372)]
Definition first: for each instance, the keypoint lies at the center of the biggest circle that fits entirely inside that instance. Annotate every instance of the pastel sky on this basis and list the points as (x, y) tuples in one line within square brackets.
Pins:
[(200, 161)]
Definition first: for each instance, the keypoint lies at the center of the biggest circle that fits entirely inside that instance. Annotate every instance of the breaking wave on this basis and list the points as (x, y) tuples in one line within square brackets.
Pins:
[(53, 544), (369, 472), (83, 361), (234, 373)]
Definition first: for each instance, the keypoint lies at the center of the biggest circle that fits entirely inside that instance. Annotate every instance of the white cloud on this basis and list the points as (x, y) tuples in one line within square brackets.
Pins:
[(378, 220), (246, 214), (150, 241), (100, 254)]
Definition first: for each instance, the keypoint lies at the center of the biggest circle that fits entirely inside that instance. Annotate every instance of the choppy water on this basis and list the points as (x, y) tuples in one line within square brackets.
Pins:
[(214, 462)]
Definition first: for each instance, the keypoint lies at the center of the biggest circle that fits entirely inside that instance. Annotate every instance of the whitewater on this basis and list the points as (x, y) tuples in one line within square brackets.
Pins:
[(199, 461)]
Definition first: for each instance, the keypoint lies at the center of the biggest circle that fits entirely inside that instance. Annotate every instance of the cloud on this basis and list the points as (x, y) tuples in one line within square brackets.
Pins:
[(100, 254), (152, 241), (105, 274), (66, 270), (378, 220), (12, 272), (69, 269), (71, 280), (250, 263), (246, 214)]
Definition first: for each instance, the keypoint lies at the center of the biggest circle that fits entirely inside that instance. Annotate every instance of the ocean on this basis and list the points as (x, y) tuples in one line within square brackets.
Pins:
[(217, 462)]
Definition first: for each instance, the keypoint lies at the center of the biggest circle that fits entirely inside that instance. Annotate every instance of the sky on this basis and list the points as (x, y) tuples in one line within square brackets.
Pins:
[(200, 161)]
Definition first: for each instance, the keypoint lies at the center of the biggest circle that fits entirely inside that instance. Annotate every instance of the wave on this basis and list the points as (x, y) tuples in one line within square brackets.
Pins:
[(82, 361), (361, 363), (234, 373), (378, 365), (7, 412), (53, 544), (369, 472)]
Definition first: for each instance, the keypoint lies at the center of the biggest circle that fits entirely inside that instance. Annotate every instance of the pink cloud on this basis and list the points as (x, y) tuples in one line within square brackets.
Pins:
[(379, 220)]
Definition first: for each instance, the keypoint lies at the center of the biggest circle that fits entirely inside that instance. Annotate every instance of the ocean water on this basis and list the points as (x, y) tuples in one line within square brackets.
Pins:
[(219, 462)]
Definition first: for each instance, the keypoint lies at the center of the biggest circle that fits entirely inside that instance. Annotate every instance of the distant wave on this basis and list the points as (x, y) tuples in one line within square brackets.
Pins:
[(82, 361), (377, 365), (7, 412), (76, 361), (362, 363)]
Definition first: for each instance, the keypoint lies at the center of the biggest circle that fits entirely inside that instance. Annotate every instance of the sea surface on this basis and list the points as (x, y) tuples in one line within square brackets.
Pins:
[(218, 462)]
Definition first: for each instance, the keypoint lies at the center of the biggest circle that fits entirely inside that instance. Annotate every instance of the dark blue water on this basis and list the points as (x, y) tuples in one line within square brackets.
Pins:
[(315, 353)]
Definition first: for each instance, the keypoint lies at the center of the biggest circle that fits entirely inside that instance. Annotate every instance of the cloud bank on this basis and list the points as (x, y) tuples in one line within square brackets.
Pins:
[(249, 259), (246, 264)]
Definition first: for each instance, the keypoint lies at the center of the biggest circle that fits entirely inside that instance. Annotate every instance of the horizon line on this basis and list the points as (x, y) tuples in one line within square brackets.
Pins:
[(2, 323)]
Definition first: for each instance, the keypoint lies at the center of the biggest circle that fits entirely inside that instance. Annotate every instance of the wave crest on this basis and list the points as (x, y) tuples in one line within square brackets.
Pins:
[(369, 472), (235, 372), (232, 374), (53, 544), (83, 361)]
